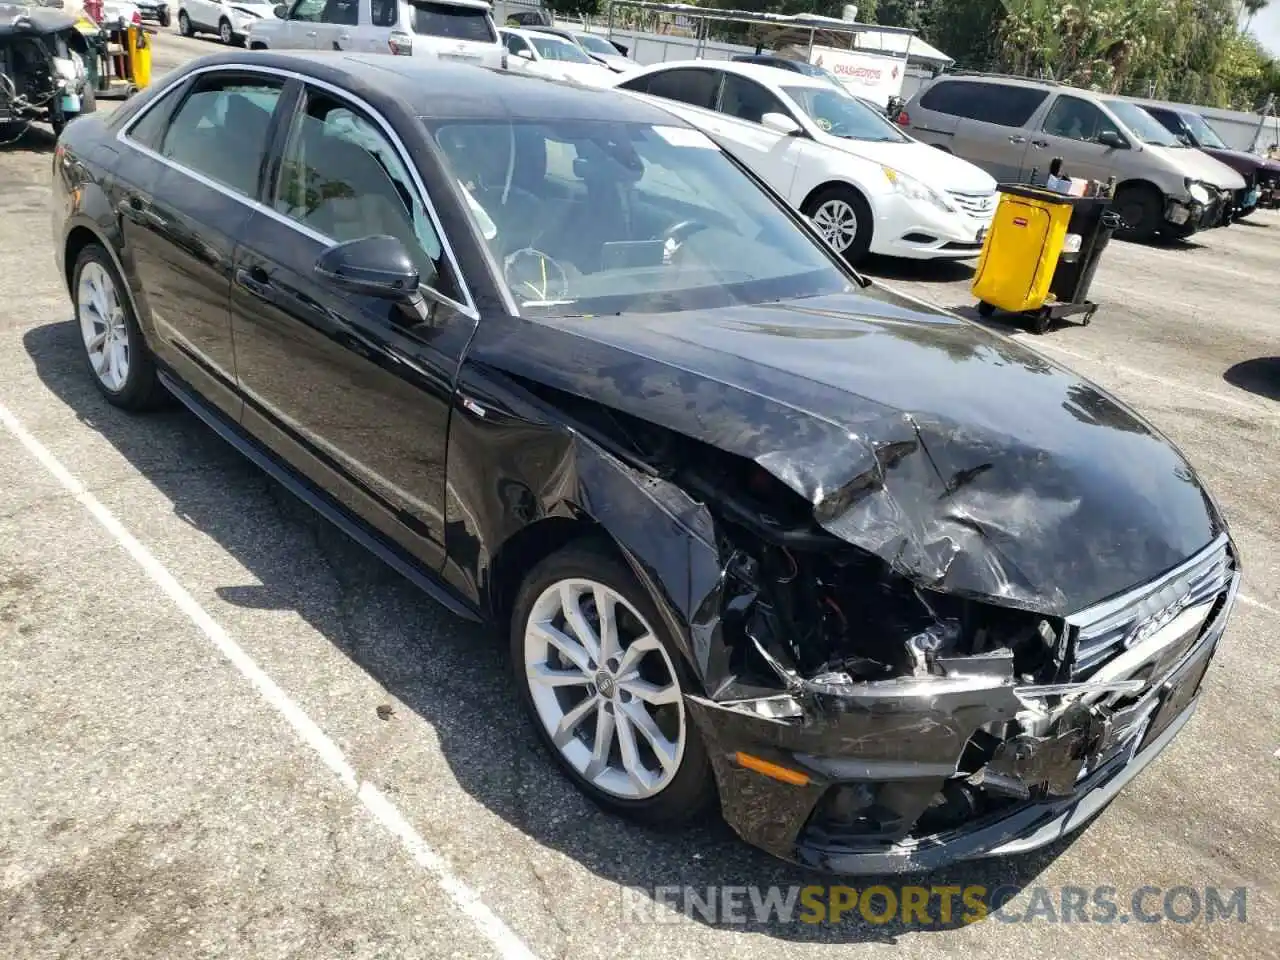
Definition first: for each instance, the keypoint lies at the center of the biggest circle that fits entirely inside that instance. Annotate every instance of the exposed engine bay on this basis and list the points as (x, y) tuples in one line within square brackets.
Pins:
[(958, 709), (42, 72)]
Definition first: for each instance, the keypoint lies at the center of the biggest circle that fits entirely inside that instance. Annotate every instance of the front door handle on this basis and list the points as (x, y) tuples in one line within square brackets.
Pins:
[(1017, 139), (344, 37), (312, 35)]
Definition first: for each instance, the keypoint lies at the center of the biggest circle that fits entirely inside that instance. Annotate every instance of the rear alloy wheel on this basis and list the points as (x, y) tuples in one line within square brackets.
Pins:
[(602, 686), (844, 220), (184, 24), (114, 350), (225, 33)]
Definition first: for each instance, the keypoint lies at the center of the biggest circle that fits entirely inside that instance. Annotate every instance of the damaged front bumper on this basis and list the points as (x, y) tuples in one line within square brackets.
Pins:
[(911, 775)]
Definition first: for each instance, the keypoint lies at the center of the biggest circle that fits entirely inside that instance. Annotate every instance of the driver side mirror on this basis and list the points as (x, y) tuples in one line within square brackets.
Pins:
[(281, 11), (781, 123), (1112, 140), (526, 53), (371, 267)]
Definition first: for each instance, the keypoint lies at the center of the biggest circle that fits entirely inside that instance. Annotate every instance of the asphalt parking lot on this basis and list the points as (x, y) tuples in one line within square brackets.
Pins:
[(227, 732)]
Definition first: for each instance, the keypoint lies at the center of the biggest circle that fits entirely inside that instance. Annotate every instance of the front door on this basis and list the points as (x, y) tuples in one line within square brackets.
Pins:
[(354, 392), (772, 155), (302, 26), (1070, 130), (181, 232)]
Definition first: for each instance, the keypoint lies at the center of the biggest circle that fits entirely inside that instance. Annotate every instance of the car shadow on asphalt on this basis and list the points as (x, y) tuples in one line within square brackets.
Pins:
[(454, 675), (1260, 376), (919, 271)]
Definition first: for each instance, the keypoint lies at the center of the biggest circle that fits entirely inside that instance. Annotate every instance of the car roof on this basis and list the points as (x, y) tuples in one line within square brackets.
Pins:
[(527, 33), (435, 89), (754, 71)]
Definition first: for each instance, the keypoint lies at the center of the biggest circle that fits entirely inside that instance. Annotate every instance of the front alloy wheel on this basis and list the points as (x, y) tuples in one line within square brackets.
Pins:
[(842, 217), (837, 221), (604, 690), (225, 33)]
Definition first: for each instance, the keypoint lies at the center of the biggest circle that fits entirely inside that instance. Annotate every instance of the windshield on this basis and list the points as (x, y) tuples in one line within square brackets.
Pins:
[(1205, 135), (552, 48), (453, 22), (841, 115), (596, 45), (600, 218), (1143, 125)]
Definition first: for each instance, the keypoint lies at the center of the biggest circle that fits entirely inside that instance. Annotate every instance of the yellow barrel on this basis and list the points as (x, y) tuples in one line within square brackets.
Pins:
[(1021, 249)]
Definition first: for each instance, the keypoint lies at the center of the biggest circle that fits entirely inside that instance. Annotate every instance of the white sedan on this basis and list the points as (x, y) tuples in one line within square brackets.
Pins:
[(230, 21), (546, 55), (864, 184)]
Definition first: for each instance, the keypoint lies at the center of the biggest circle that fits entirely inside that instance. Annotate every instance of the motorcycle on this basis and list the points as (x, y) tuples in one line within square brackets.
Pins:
[(43, 73)]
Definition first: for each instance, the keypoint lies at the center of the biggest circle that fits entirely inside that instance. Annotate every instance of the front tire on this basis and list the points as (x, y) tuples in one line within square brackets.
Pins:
[(604, 687), (843, 218), (225, 33), (184, 24), (1141, 207), (113, 347)]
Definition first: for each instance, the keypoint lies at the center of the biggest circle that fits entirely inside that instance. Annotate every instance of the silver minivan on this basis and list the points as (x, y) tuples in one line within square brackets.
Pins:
[(1014, 127), (460, 30)]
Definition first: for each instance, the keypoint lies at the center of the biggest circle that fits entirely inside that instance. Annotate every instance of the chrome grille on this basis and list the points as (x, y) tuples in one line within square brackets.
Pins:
[(1101, 632), (981, 206)]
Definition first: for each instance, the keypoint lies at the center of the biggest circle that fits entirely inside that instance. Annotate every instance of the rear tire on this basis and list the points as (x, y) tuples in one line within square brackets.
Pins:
[(184, 24), (1141, 207), (112, 345), (843, 218), (600, 686), (225, 33)]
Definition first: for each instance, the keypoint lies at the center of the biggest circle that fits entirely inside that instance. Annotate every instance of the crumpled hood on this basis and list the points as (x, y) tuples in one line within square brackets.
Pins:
[(940, 170), (968, 463)]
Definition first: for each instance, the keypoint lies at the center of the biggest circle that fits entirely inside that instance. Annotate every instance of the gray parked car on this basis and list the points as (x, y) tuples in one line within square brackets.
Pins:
[(1013, 127)]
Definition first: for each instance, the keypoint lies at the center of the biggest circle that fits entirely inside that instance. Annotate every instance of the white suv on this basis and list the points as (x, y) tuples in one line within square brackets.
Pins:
[(461, 30)]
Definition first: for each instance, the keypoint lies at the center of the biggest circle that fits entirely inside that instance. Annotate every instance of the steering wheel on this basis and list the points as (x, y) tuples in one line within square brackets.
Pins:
[(530, 271), (674, 236)]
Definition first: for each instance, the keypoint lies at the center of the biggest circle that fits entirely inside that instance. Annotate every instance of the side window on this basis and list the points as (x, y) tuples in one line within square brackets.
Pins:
[(341, 176), (1076, 119), (383, 12), (1169, 120), (221, 129), (516, 44), (307, 10), (149, 131), (747, 100), (638, 85), (1002, 104), (345, 13), (694, 87)]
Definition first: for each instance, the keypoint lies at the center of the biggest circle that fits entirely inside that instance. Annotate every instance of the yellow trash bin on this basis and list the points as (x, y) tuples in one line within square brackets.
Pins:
[(138, 51), (1021, 249)]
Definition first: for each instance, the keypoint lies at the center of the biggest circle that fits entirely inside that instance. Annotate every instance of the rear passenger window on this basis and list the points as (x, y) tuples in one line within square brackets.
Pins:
[(342, 177), (453, 22), (383, 12), (695, 87), (149, 131), (221, 130), (998, 103)]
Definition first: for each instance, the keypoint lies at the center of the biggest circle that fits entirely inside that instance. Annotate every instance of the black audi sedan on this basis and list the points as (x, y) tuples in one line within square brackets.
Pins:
[(889, 588)]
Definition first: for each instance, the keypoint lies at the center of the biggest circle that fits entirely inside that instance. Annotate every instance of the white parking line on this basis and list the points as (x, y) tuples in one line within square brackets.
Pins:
[(507, 944)]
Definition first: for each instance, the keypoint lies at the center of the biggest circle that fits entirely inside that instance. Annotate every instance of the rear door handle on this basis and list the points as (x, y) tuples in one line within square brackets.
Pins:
[(140, 211), (1016, 139), (255, 280), (312, 34), (344, 37), (1039, 143)]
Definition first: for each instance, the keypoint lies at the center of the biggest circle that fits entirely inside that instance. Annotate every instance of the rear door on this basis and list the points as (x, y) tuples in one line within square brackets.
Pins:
[(337, 27), (1069, 129), (992, 132), (352, 391), (205, 164)]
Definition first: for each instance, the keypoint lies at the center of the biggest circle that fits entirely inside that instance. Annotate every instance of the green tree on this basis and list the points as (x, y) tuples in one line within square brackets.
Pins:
[(896, 13)]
